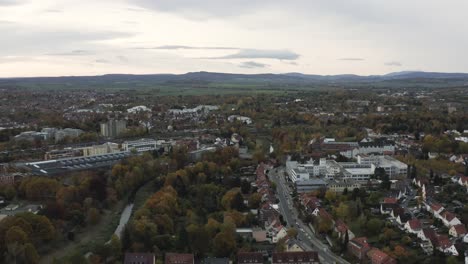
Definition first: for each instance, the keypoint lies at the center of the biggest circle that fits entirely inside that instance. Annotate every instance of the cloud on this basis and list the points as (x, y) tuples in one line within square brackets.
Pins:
[(181, 47), (253, 65), (394, 63), (352, 59), (10, 2), (122, 58), (101, 61), (53, 11), (19, 39), (72, 53), (260, 54)]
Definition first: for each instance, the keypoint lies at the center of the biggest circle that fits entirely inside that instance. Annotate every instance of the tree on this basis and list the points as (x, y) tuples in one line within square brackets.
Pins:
[(254, 200), (245, 187), (199, 240), (345, 191), (16, 235), (452, 260), (224, 244), (330, 196), (93, 216), (373, 226), (116, 246), (30, 254), (386, 183), (343, 211), (325, 225), (238, 202), (292, 232)]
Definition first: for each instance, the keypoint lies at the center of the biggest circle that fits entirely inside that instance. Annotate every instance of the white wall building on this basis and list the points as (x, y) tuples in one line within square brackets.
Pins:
[(140, 145)]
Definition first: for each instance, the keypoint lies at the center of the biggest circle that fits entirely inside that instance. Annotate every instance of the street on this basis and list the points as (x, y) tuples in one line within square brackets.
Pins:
[(290, 214)]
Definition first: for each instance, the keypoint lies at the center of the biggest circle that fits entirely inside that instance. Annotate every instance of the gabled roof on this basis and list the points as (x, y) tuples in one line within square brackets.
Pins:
[(360, 242), (378, 257), (398, 211), (295, 257), (390, 200), (449, 216), (249, 257), (176, 258), (323, 213), (414, 224), (430, 234), (143, 258), (436, 207), (459, 229), (443, 241), (341, 227)]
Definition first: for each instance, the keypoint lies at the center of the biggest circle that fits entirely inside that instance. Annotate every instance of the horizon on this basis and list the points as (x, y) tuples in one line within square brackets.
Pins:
[(53, 38), (229, 73)]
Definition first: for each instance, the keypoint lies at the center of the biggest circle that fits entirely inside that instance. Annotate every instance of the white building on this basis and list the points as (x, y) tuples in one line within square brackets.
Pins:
[(200, 108), (140, 145), (138, 109), (392, 166), (298, 172), (243, 119)]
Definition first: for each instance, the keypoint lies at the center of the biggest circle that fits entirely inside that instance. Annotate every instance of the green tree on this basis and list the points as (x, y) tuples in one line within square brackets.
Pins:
[(30, 254), (224, 244), (374, 226), (116, 246), (93, 216)]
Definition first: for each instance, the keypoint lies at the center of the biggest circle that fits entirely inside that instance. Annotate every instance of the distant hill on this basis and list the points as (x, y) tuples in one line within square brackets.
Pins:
[(396, 79)]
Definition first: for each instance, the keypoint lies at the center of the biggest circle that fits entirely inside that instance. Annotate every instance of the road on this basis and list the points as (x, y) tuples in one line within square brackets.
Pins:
[(290, 214)]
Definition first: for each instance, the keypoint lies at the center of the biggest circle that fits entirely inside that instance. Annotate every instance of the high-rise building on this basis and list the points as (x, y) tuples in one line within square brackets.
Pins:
[(113, 128)]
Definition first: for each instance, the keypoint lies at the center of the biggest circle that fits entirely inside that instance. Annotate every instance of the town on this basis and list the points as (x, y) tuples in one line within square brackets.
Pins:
[(323, 176)]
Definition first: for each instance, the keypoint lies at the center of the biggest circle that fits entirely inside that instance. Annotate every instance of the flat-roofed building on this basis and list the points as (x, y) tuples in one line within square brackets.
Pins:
[(141, 145)]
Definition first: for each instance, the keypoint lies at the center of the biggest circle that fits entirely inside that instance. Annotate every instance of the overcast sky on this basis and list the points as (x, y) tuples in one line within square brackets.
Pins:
[(91, 37)]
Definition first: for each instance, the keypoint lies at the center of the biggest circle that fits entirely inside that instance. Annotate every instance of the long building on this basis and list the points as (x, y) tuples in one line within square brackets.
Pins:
[(140, 145), (54, 167)]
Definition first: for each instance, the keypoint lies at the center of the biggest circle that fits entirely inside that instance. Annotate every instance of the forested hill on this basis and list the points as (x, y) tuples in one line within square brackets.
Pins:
[(398, 80)]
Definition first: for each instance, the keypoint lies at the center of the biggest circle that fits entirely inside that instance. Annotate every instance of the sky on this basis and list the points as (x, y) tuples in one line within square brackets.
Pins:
[(365, 37)]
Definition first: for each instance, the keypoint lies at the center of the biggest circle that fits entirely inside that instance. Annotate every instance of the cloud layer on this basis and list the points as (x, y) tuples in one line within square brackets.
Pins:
[(56, 37)]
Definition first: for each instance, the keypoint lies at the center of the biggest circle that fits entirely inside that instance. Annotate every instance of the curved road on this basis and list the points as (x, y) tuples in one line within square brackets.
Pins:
[(305, 235)]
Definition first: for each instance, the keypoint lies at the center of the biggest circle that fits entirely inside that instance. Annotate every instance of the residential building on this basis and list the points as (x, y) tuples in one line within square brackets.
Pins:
[(387, 206), (359, 247), (139, 258), (444, 245), (413, 226), (292, 245), (449, 219), (176, 258), (113, 128), (457, 230), (216, 261), (10, 178), (242, 119), (249, 258), (377, 256), (307, 257), (106, 148)]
